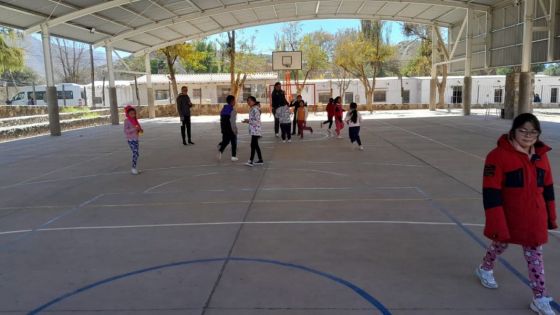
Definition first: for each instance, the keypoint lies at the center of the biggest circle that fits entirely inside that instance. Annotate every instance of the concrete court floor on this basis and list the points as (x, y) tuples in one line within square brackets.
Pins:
[(319, 229)]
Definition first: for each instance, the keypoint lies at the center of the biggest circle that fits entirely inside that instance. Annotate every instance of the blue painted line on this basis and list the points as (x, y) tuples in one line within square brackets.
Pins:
[(481, 242), (361, 292)]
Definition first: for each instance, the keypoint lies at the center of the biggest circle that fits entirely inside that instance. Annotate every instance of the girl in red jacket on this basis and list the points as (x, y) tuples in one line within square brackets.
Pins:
[(518, 198), (338, 113)]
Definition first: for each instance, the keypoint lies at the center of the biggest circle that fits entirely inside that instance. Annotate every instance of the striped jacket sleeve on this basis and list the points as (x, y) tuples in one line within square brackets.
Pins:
[(496, 225), (548, 195)]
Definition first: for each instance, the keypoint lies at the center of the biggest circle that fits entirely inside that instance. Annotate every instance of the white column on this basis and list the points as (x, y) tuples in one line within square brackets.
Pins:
[(551, 31), (526, 77), (149, 87), (467, 81), (433, 86), (527, 35), (52, 99), (112, 89)]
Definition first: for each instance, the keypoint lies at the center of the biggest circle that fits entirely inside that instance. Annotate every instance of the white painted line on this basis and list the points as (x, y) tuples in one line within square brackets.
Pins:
[(116, 227)]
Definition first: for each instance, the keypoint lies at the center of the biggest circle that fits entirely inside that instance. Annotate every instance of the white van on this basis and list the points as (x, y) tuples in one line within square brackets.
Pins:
[(69, 94)]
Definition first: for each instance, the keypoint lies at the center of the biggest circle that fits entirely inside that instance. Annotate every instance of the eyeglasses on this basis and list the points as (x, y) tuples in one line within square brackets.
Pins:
[(529, 133)]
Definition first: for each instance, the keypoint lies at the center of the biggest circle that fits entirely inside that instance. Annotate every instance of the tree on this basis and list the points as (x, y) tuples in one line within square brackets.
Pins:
[(25, 76), (314, 57), (11, 57), (363, 54), (71, 58), (553, 70), (186, 52), (422, 64)]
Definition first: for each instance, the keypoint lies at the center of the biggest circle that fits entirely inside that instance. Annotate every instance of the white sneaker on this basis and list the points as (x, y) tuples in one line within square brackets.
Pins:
[(249, 163), (339, 137), (361, 148), (134, 171), (542, 306), (290, 141), (283, 141), (277, 135), (233, 159), (219, 156), (486, 278)]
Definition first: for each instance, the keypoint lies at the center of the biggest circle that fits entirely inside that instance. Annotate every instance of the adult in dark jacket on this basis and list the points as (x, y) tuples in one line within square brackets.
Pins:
[(278, 99), (296, 105), (184, 105), (518, 197), (228, 126)]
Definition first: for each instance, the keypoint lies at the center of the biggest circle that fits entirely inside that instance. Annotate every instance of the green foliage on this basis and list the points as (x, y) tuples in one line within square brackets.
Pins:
[(553, 69), (504, 70), (74, 109), (421, 64), (11, 58), (25, 76)]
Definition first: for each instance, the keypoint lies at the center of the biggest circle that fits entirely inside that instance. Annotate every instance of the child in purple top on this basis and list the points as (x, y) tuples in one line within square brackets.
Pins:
[(132, 130)]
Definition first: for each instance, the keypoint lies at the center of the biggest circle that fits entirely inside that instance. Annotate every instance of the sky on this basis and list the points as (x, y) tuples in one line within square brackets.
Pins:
[(264, 34)]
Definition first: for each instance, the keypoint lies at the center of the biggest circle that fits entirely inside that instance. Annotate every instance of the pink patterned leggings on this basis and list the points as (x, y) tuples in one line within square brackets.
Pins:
[(535, 263)]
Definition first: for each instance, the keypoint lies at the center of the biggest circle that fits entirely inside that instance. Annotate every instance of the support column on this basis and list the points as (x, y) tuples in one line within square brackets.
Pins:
[(526, 76), (467, 81), (52, 99), (149, 88), (112, 89), (92, 64), (433, 86)]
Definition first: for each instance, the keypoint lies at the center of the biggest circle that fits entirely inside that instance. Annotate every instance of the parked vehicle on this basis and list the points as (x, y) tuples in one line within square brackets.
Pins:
[(68, 94)]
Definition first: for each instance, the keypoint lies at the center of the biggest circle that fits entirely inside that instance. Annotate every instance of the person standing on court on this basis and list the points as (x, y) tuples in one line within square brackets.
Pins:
[(518, 197), (228, 117), (184, 106), (278, 99), (255, 130), (299, 102)]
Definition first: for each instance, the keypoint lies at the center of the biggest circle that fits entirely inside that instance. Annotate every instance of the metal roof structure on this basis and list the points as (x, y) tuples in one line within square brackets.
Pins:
[(143, 25)]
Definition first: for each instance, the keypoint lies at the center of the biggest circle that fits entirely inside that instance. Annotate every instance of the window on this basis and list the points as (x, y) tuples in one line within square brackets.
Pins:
[(246, 92), (498, 96), (222, 91), (554, 95), (19, 96), (406, 96), (197, 93), (457, 96), (380, 96), (324, 97), (348, 97), (68, 95), (162, 95), (39, 95)]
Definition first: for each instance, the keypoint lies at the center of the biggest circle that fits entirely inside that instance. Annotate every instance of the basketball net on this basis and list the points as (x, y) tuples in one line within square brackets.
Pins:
[(288, 85)]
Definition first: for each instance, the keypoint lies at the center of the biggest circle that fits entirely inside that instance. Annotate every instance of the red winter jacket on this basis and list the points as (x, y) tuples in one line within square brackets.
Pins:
[(518, 195), (330, 109)]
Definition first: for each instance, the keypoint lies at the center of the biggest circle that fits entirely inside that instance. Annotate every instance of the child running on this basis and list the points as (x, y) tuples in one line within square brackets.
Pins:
[(518, 197), (354, 119), (301, 116), (228, 116), (283, 114), (132, 130), (330, 114), (338, 110), (255, 132)]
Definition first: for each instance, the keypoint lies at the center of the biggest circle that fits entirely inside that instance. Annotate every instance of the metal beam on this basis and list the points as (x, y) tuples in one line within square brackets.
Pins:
[(96, 15), (551, 31), (339, 6), (317, 7), (269, 3), (77, 14), (458, 37)]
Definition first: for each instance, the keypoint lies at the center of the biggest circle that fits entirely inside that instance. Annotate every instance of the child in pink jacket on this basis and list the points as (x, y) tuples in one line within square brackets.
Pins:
[(132, 130)]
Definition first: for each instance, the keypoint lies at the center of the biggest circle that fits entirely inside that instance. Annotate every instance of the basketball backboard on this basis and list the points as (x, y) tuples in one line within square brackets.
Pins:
[(286, 60)]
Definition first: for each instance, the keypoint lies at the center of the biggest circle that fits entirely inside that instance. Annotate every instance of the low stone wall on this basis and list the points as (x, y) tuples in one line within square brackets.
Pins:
[(43, 128), (36, 119)]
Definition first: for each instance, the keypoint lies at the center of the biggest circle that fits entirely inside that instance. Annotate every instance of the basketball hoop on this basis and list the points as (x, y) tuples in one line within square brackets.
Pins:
[(287, 61)]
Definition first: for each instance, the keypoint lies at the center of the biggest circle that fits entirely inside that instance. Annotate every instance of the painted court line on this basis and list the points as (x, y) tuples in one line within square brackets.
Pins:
[(356, 289), (142, 226)]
